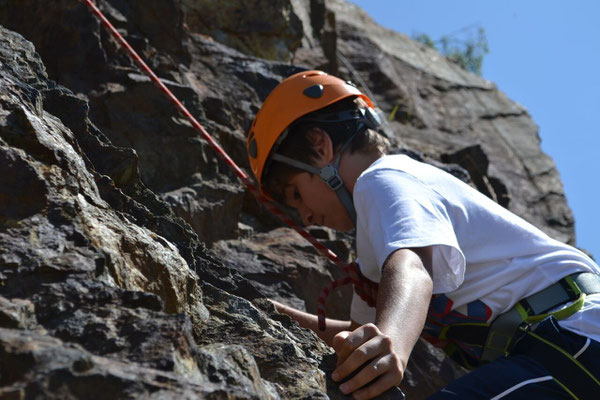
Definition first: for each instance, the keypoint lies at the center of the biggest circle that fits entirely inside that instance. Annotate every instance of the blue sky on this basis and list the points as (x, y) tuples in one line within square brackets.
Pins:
[(544, 55)]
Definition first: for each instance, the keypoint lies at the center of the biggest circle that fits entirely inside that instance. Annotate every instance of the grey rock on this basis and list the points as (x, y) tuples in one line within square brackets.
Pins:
[(271, 30), (109, 198), (17, 314), (287, 268), (102, 284), (40, 366)]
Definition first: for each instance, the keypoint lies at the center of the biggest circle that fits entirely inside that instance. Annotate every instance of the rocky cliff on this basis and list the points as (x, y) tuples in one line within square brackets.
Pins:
[(133, 263)]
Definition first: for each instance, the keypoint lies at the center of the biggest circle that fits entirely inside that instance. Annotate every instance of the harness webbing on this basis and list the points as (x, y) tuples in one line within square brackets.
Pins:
[(364, 287)]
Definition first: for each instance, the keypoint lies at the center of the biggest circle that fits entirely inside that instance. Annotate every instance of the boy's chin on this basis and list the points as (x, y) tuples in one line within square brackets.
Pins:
[(345, 226), (340, 224)]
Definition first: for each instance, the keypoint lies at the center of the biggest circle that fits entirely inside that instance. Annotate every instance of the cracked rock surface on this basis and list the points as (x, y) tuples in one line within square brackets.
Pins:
[(133, 264)]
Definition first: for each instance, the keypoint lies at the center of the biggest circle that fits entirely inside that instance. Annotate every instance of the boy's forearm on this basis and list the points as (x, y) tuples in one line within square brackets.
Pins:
[(310, 321), (404, 295), (402, 302)]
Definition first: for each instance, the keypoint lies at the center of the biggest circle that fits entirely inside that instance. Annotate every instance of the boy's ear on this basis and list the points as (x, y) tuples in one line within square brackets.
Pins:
[(321, 143)]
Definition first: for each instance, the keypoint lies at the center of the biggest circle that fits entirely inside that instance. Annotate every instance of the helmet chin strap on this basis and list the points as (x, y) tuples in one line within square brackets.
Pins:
[(329, 174)]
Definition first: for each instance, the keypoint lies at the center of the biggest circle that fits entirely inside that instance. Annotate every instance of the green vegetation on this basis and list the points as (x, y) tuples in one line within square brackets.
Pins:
[(466, 47)]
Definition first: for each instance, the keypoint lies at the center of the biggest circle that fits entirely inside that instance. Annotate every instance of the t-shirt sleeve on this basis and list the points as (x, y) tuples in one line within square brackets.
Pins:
[(395, 210)]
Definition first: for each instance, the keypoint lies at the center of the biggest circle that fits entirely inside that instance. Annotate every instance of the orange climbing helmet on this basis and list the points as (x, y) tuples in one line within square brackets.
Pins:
[(294, 97)]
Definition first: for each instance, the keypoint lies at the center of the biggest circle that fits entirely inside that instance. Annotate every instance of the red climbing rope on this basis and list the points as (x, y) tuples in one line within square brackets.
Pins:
[(365, 288)]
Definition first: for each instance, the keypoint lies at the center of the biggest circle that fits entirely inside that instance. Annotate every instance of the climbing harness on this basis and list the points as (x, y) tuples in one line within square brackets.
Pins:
[(498, 338), (365, 288)]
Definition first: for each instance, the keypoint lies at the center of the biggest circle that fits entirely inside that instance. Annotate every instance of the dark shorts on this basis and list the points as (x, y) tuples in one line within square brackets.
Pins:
[(548, 363)]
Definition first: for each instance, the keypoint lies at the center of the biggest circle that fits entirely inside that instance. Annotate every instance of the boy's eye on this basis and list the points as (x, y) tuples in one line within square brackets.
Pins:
[(292, 196)]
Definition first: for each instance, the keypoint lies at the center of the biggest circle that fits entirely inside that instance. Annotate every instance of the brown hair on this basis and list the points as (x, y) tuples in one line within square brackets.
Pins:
[(296, 144)]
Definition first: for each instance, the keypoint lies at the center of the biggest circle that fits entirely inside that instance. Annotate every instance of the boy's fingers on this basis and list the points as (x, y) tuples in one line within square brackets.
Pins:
[(343, 346), (338, 340), (277, 305), (346, 345), (385, 382), (359, 357), (365, 375)]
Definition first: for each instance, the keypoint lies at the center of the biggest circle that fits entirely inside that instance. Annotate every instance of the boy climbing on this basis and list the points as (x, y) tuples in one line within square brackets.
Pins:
[(450, 263)]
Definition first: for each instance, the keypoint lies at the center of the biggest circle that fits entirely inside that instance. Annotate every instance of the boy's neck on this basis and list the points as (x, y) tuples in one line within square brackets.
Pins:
[(354, 164)]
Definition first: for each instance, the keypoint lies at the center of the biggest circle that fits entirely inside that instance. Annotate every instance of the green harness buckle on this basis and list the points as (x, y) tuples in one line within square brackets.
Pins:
[(560, 300), (535, 308)]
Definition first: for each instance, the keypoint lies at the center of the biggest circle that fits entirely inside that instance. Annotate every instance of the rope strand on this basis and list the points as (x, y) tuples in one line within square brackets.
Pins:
[(353, 272)]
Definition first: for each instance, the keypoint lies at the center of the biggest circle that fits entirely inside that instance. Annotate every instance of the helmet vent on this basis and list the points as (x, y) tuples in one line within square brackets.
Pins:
[(314, 91)]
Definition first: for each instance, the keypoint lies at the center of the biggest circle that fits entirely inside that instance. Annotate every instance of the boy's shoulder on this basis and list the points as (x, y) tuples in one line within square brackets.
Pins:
[(404, 176), (397, 166), (393, 174), (400, 162)]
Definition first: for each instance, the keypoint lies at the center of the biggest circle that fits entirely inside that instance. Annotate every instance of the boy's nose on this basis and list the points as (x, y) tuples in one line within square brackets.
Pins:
[(306, 215)]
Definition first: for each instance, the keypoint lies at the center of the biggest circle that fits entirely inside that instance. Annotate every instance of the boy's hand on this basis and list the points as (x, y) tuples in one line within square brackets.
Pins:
[(369, 348)]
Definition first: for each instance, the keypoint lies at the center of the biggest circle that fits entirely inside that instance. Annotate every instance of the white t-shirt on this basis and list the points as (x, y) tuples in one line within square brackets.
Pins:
[(485, 258)]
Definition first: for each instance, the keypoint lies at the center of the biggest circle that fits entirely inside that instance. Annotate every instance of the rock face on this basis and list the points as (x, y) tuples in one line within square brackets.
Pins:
[(102, 286), (131, 259)]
